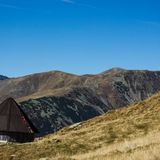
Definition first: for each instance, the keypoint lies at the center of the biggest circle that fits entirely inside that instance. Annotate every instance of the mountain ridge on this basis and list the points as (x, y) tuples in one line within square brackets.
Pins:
[(60, 98), (60, 78)]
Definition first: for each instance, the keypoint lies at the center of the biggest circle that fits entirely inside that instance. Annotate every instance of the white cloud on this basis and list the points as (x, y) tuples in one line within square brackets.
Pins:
[(78, 3), (68, 1), (9, 6), (153, 23)]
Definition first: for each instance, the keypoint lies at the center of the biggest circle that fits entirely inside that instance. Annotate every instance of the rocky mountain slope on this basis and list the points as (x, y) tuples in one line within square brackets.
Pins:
[(54, 100), (127, 133), (50, 114)]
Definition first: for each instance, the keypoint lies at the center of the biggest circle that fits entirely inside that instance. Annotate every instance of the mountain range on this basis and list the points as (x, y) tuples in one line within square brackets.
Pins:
[(53, 100)]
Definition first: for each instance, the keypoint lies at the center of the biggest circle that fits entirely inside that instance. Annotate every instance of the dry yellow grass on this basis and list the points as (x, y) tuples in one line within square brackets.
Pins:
[(141, 148), (131, 133)]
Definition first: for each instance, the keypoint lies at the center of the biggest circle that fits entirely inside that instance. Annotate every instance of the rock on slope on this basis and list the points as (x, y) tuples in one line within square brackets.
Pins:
[(56, 99)]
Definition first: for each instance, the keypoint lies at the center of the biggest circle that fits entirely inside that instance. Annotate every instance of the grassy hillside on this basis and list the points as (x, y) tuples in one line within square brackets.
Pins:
[(129, 133)]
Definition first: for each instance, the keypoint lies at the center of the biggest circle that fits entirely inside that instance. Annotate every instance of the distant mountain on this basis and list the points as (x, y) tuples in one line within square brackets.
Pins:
[(3, 77), (56, 99)]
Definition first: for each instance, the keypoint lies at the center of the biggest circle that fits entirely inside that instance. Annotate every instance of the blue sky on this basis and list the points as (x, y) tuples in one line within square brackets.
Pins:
[(78, 36)]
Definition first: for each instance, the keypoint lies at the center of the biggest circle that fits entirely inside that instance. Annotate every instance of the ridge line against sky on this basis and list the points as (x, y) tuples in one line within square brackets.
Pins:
[(78, 36), (85, 73)]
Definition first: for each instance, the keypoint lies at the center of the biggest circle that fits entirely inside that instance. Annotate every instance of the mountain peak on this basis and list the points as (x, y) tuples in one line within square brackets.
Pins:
[(114, 70)]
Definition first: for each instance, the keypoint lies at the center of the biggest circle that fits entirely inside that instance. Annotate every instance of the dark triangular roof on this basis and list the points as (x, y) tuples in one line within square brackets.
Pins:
[(13, 119)]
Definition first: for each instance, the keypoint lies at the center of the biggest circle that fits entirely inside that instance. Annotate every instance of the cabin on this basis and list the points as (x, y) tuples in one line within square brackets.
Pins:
[(14, 124)]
